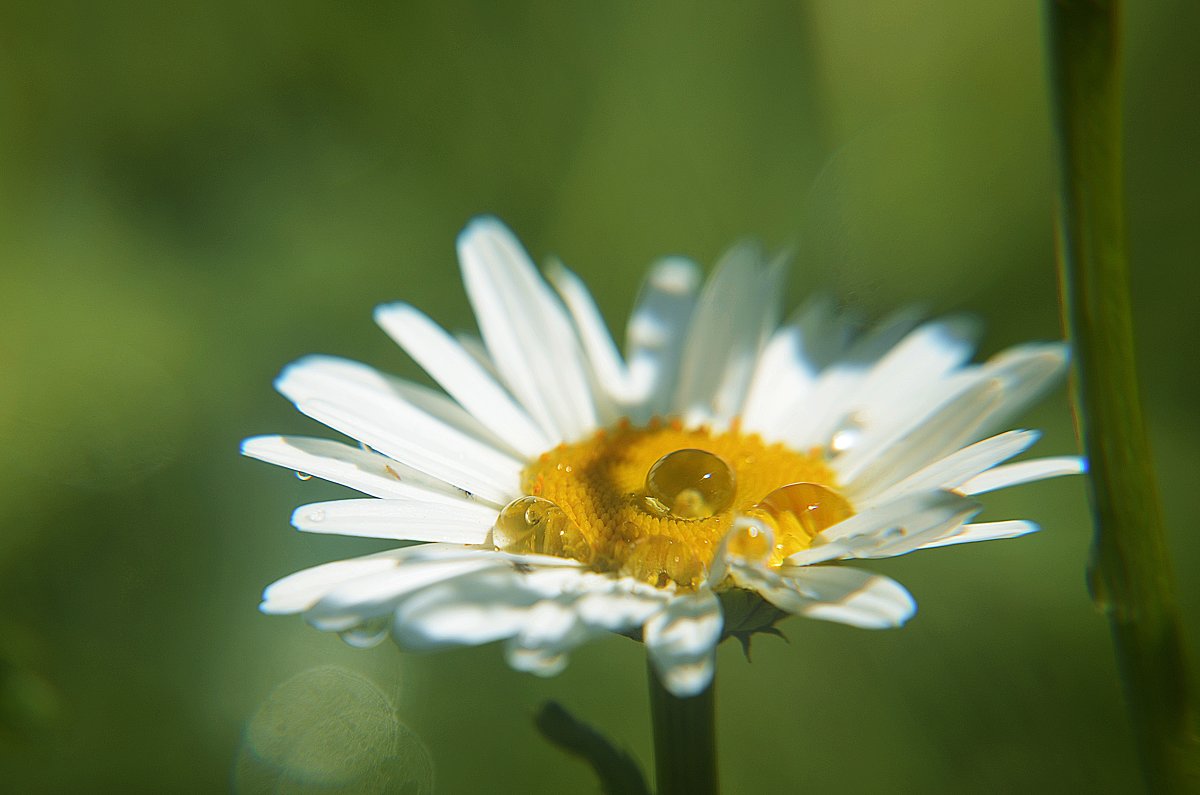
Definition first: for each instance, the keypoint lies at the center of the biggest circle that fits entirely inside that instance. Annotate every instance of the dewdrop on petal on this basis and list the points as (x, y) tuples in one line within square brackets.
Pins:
[(538, 526), (798, 512)]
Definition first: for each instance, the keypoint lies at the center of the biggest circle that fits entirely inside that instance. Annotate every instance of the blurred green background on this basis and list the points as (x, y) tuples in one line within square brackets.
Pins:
[(195, 194)]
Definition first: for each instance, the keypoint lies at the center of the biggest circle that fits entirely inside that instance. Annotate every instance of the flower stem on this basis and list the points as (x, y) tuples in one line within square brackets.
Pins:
[(685, 744), (1131, 574)]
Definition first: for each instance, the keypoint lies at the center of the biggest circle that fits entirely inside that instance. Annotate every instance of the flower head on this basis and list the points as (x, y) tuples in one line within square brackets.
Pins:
[(725, 463)]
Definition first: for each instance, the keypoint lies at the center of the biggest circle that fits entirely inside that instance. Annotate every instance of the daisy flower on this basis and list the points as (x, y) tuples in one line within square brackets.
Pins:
[(707, 482)]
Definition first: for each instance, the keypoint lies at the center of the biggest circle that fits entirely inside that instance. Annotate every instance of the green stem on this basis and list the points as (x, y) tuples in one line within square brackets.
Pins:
[(685, 743), (1131, 574)]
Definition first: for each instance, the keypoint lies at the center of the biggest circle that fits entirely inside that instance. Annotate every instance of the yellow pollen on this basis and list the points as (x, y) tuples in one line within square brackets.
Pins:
[(655, 502)]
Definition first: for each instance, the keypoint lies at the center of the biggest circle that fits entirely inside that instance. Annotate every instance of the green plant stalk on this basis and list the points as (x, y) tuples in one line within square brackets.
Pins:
[(1131, 574), (685, 741)]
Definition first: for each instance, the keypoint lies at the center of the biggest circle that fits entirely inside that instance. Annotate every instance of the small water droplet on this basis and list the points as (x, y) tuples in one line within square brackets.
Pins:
[(690, 484), (847, 433), (750, 540), (303, 475), (316, 515), (660, 560), (539, 526)]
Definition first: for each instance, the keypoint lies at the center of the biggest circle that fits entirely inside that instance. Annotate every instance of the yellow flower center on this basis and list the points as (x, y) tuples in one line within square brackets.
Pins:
[(655, 502)]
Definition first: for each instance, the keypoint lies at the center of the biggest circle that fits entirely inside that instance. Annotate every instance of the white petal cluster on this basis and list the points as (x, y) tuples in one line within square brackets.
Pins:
[(905, 415)]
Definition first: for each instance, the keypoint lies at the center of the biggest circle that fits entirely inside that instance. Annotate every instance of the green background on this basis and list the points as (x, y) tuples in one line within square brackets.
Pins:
[(193, 195)]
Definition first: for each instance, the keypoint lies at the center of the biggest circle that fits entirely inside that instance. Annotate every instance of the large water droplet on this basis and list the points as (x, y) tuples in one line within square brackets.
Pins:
[(660, 560), (303, 476), (690, 484), (797, 512), (316, 515), (536, 525)]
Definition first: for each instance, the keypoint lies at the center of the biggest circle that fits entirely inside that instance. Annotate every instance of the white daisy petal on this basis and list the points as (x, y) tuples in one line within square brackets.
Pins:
[(723, 339), (472, 344), (830, 593), (1026, 372), (782, 379), (852, 596), (968, 404), (889, 529), (681, 641), (442, 408), (452, 463), (334, 392), (445, 519), (655, 336), (816, 423), (526, 330), (551, 629), (470, 610), (1002, 477), (825, 408), (957, 468), (363, 470), (877, 462), (607, 366), (618, 605), (297, 592), (332, 378), (462, 376), (364, 599), (985, 531), (925, 356), (301, 591)]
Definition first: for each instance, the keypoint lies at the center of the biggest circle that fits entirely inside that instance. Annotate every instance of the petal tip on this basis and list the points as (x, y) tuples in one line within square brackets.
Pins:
[(252, 446), (390, 311), (483, 226)]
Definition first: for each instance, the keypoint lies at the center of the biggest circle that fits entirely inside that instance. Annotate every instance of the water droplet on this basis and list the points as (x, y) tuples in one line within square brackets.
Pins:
[(303, 475), (797, 512), (537, 525), (690, 484), (316, 515), (660, 560), (750, 540), (847, 433)]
